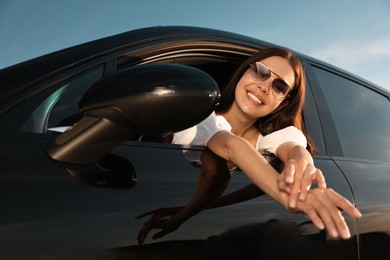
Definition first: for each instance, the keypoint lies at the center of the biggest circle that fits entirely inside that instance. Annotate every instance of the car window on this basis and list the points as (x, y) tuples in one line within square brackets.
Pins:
[(61, 108), (360, 116)]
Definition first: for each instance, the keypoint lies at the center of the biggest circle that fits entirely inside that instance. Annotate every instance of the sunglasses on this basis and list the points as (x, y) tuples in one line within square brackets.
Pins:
[(280, 88)]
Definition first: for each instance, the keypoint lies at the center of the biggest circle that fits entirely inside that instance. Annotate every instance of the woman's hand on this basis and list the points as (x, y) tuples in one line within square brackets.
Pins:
[(297, 178), (299, 172), (323, 207), (161, 218)]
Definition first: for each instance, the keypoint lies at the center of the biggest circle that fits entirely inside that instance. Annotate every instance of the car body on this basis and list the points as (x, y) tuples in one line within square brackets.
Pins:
[(51, 209)]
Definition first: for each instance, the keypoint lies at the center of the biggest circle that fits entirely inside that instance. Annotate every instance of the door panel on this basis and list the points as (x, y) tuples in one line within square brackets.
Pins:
[(49, 214), (370, 183)]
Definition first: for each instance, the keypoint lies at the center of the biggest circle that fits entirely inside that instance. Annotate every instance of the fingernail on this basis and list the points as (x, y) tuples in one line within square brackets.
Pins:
[(358, 213), (322, 226), (333, 232), (302, 197), (346, 234), (292, 203)]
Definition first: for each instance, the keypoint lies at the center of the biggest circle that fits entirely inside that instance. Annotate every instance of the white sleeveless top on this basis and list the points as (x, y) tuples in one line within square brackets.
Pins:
[(201, 133)]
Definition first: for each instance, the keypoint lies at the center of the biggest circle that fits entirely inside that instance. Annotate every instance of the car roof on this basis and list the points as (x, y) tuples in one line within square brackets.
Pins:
[(38, 68)]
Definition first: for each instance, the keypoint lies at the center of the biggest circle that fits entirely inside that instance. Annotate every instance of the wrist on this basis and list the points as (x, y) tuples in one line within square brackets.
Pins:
[(298, 152)]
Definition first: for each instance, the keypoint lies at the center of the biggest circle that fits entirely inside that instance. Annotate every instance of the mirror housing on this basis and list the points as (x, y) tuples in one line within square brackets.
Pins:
[(111, 171), (153, 99)]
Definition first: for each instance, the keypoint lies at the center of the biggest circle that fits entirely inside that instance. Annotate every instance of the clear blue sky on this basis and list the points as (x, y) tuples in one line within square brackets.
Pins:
[(351, 34)]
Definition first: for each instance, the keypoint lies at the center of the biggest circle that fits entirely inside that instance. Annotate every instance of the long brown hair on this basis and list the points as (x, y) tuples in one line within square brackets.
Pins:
[(289, 112)]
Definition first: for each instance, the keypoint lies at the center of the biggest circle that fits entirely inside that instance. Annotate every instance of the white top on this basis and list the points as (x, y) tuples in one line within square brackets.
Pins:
[(201, 133)]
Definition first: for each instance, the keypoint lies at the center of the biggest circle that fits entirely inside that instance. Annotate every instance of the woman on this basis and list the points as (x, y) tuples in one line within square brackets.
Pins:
[(260, 112)]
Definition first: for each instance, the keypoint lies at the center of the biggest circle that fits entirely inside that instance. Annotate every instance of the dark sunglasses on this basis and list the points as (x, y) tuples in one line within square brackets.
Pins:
[(280, 88)]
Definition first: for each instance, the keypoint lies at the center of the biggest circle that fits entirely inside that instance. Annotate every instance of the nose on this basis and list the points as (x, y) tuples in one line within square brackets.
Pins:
[(265, 86)]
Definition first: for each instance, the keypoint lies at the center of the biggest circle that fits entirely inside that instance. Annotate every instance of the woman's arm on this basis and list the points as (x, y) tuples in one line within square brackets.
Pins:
[(241, 153), (322, 206)]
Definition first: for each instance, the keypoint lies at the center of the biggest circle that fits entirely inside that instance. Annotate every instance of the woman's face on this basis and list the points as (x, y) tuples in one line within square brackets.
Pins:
[(254, 97)]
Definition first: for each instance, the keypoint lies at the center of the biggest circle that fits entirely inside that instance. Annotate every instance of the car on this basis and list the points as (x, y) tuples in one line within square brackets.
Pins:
[(82, 155)]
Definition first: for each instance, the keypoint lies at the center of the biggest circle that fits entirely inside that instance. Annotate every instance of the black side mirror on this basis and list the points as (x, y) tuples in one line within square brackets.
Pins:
[(154, 99)]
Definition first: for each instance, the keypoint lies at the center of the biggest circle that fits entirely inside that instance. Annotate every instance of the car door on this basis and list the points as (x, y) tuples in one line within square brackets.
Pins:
[(356, 124)]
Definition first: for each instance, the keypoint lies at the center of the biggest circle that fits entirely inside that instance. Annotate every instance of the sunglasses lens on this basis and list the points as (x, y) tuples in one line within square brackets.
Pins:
[(280, 88), (263, 72)]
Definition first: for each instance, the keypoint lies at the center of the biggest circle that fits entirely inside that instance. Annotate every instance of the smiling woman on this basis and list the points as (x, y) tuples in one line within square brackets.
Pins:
[(234, 133)]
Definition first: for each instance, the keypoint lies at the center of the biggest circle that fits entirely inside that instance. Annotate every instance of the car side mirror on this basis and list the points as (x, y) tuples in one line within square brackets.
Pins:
[(153, 99)]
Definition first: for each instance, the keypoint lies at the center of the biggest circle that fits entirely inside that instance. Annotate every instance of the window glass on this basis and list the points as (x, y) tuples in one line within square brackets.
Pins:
[(361, 117), (62, 106)]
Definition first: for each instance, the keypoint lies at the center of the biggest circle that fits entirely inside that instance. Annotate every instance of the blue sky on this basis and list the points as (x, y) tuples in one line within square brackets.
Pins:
[(351, 34)]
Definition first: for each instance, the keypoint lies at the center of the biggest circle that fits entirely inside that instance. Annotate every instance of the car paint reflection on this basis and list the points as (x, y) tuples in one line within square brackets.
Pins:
[(270, 240)]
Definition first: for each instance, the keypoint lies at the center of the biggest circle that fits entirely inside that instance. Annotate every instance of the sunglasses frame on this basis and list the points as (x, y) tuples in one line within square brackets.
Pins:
[(278, 78)]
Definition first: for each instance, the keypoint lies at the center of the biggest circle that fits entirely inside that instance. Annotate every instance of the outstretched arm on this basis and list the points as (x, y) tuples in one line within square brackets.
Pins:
[(322, 206), (245, 193), (242, 154)]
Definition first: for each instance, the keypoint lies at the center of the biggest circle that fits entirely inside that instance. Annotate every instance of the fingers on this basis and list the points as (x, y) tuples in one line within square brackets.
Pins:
[(290, 180), (325, 218), (308, 176), (320, 178), (335, 222), (286, 178), (165, 226), (344, 204), (157, 220), (142, 234), (297, 178), (148, 226), (315, 218), (332, 216), (289, 172), (293, 180), (323, 208), (152, 223)]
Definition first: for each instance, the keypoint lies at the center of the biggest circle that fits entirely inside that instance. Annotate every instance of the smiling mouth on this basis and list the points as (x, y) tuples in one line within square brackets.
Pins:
[(254, 98)]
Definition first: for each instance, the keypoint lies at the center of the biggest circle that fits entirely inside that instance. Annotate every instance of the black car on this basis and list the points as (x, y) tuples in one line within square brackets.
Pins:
[(75, 194)]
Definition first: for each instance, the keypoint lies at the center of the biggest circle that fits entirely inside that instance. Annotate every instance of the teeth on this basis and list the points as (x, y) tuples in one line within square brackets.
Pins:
[(254, 98)]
